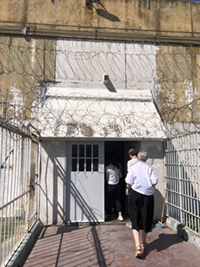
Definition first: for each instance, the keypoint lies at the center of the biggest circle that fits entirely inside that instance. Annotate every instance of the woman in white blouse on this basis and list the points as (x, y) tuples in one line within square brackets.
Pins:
[(113, 174), (141, 180)]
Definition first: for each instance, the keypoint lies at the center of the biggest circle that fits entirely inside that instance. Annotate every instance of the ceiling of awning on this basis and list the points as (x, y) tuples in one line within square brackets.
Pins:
[(80, 112)]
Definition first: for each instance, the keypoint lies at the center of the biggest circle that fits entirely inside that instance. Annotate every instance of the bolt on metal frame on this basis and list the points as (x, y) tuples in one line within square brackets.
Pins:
[(182, 166)]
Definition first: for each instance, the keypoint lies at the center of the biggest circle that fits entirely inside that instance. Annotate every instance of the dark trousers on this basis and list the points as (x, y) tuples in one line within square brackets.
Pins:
[(141, 211), (113, 192)]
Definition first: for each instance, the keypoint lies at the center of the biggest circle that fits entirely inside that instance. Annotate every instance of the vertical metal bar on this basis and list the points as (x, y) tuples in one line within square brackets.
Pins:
[(12, 190), (28, 162), (16, 186), (3, 192), (22, 180), (39, 178), (170, 160), (1, 182), (8, 194), (18, 204), (190, 179), (198, 180), (179, 171), (195, 178)]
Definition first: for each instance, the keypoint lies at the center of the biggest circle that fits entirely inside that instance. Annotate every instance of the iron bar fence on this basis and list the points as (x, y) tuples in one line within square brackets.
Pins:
[(182, 166), (19, 161)]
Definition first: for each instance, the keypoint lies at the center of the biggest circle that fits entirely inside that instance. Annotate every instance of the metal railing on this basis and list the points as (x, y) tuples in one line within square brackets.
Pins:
[(182, 167), (19, 161)]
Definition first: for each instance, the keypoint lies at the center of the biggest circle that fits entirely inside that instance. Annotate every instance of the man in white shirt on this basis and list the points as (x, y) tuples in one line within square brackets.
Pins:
[(133, 158)]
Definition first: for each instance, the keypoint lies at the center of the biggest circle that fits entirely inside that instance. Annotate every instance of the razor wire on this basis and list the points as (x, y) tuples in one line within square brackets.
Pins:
[(26, 67)]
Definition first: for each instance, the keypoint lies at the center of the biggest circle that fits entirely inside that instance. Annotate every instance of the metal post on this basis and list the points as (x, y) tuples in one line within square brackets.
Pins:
[(1, 228), (179, 178), (3, 192), (8, 195)]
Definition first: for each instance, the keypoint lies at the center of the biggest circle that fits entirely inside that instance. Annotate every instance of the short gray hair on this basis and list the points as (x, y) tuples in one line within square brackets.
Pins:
[(142, 155)]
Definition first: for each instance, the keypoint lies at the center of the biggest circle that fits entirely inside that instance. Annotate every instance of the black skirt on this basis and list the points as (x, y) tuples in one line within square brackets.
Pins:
[(141, 211)]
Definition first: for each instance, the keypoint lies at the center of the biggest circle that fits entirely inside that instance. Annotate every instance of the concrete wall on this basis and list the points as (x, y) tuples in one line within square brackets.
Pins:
[(167, 18), (24, 64), (52, 184), (171, 72)]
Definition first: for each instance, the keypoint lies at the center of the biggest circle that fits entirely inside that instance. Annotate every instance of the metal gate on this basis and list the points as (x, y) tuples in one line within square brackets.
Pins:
[(182, 168), (19, 161)]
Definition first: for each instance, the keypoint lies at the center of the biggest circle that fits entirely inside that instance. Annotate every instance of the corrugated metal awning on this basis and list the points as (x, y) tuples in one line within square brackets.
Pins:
[(67, 112)]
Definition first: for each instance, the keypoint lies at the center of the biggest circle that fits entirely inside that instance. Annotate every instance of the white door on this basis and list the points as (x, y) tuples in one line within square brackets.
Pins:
[(85, 186)]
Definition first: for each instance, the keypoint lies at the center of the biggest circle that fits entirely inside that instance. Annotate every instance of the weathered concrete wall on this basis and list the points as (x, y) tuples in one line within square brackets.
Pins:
[(169, 17), (170, 72), (24, 63), (178, 85)]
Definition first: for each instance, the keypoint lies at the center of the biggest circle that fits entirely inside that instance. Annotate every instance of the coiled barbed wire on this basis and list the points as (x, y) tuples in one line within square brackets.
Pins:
[(164, 68)]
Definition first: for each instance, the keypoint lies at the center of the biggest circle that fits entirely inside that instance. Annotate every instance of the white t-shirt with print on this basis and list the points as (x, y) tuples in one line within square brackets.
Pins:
[(113, 174)]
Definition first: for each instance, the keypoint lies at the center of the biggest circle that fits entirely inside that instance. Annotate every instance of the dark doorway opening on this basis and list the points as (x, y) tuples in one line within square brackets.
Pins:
[(120, 150)]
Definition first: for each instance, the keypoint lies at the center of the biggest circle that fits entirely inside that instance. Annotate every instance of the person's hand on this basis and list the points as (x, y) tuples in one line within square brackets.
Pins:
[(127, 191)]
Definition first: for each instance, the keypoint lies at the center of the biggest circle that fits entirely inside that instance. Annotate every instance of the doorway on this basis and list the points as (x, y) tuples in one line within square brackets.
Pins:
[(119, 149)]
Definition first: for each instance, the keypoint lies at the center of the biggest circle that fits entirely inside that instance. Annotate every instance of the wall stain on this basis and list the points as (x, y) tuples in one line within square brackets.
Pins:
[(86, 130), (71, 128), (116, 128)]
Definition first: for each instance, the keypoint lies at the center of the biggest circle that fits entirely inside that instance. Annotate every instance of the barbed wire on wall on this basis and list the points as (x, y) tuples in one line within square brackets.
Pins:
[(171, 72)]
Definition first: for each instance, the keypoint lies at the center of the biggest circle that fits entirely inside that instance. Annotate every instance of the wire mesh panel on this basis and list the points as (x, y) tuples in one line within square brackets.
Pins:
[(18, 193), (182, 168)]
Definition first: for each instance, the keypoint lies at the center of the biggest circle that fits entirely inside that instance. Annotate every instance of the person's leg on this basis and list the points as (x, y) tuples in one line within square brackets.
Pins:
[(147, 213), (117, 201), (109, 198), (143, 243), (136, 235), (138, 251), (144, 236)]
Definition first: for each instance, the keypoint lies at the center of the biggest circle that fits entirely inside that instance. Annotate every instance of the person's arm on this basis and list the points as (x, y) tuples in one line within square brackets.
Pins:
[(129, 180), (127, 166), (107, 176), (120, 174), (128, 186), (153, 178)]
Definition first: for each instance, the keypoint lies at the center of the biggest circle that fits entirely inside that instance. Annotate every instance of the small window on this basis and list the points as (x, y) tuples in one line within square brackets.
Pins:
[(95, 165), (81, 150), (88, 165), (74, 165), (95, 150), (74, 151), (88, 150), (85, 158), (81, 165)]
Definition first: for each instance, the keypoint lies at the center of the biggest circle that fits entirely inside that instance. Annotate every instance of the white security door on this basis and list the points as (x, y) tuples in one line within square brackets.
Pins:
[(85, 187)]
